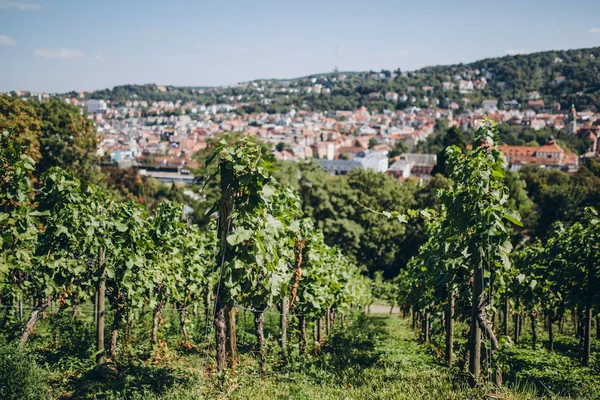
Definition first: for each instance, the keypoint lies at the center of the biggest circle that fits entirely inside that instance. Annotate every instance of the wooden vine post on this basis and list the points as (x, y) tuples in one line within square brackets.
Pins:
[(221, 307), (100, 353), (475, 333), (283, 320), (223, 310), (450, 326)]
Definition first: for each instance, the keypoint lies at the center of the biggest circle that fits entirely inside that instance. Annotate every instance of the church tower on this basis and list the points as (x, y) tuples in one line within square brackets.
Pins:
[(571, 125)]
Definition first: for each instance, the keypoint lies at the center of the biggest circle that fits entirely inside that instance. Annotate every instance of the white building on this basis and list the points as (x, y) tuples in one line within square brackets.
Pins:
[(96, 106), (374, 160)]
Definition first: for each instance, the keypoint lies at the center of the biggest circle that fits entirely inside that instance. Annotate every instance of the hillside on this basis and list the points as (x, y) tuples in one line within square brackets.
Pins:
[(548, 79)]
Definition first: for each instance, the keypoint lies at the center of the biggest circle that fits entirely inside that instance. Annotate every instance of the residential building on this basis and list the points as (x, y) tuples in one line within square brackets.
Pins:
[(411, 165), (550, 155), (96, 106), (339, 167)]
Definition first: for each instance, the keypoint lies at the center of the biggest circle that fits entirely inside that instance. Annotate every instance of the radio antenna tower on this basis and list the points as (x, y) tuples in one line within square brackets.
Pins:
[(335, 67)]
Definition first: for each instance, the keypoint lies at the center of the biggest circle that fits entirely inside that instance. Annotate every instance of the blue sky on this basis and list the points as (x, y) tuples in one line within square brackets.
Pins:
[(60, 45)]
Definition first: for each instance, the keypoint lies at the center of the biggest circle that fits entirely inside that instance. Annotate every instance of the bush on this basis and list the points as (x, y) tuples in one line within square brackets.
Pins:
[(21, 378), (551, 373)]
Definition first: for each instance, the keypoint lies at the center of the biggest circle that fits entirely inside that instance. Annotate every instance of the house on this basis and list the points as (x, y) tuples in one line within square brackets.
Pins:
[(363, 141), (559, 79), (480, 84), (465, 86), (349, 152), (549, 155), (447, 86), (535, 95), (339, 167), (374, 160), (490, 104), (386, 148), (537, 124), (324, 150), (391, 96), (410, 89), (374, 96), (413, 165), (366, 130)]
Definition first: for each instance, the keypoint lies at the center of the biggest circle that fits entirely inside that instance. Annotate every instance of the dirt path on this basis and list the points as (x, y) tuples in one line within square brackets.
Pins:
[(378, 309)]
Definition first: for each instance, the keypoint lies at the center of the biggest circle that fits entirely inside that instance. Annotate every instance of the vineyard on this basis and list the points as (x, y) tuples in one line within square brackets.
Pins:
[(116, 301)]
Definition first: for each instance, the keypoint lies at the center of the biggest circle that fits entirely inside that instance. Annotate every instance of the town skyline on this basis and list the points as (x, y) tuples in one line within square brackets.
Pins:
[(57, 47)]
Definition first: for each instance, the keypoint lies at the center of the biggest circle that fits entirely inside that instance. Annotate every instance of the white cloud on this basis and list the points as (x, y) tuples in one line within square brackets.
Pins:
[(58, 53), (7, 41), (99, 57), (241, 51), (594, 30), (20, 5), (513, 52)]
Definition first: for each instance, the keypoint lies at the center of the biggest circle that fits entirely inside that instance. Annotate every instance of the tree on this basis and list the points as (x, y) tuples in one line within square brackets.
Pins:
[(342, 208), (21, 118), (68, 139), (399, 148), (453, 137)]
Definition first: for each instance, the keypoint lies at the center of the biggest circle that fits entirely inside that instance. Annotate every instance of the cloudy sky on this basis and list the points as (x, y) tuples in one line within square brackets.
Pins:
[(60, 45)]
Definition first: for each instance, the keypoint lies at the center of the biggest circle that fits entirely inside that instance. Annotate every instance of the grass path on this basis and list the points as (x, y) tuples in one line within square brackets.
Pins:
[(376, 357)]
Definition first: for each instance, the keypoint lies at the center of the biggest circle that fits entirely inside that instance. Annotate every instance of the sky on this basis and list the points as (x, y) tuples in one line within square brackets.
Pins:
[(61, 45)]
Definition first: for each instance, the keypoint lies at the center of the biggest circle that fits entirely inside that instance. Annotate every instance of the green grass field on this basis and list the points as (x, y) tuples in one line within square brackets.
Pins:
[(374, 356)]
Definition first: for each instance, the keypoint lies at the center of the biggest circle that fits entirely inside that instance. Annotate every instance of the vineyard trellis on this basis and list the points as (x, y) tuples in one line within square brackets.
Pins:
[(465, 269), (65, 242)]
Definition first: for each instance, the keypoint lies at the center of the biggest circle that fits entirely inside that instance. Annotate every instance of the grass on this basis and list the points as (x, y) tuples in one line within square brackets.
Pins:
[(372, 357)]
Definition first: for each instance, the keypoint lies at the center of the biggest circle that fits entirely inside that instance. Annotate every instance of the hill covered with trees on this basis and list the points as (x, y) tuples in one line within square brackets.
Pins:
[(561, 77)]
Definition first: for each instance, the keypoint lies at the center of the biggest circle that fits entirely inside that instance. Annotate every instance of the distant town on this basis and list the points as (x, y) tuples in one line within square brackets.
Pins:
[(161, 137)]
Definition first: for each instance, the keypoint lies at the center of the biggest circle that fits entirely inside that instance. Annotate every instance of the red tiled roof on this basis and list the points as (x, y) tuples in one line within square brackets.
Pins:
[(550, 147)]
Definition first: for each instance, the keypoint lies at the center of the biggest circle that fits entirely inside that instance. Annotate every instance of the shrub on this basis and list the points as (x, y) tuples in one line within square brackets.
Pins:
[(551, 373), (21, 378)]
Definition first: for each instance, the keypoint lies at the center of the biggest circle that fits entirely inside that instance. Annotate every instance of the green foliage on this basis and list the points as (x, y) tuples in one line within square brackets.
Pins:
[(18, 229), (21, 378), (452, 137), (21, 118), (68, 139), (558, 196), (341, 206), (76, 226), (551, 373), (54, 134)]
